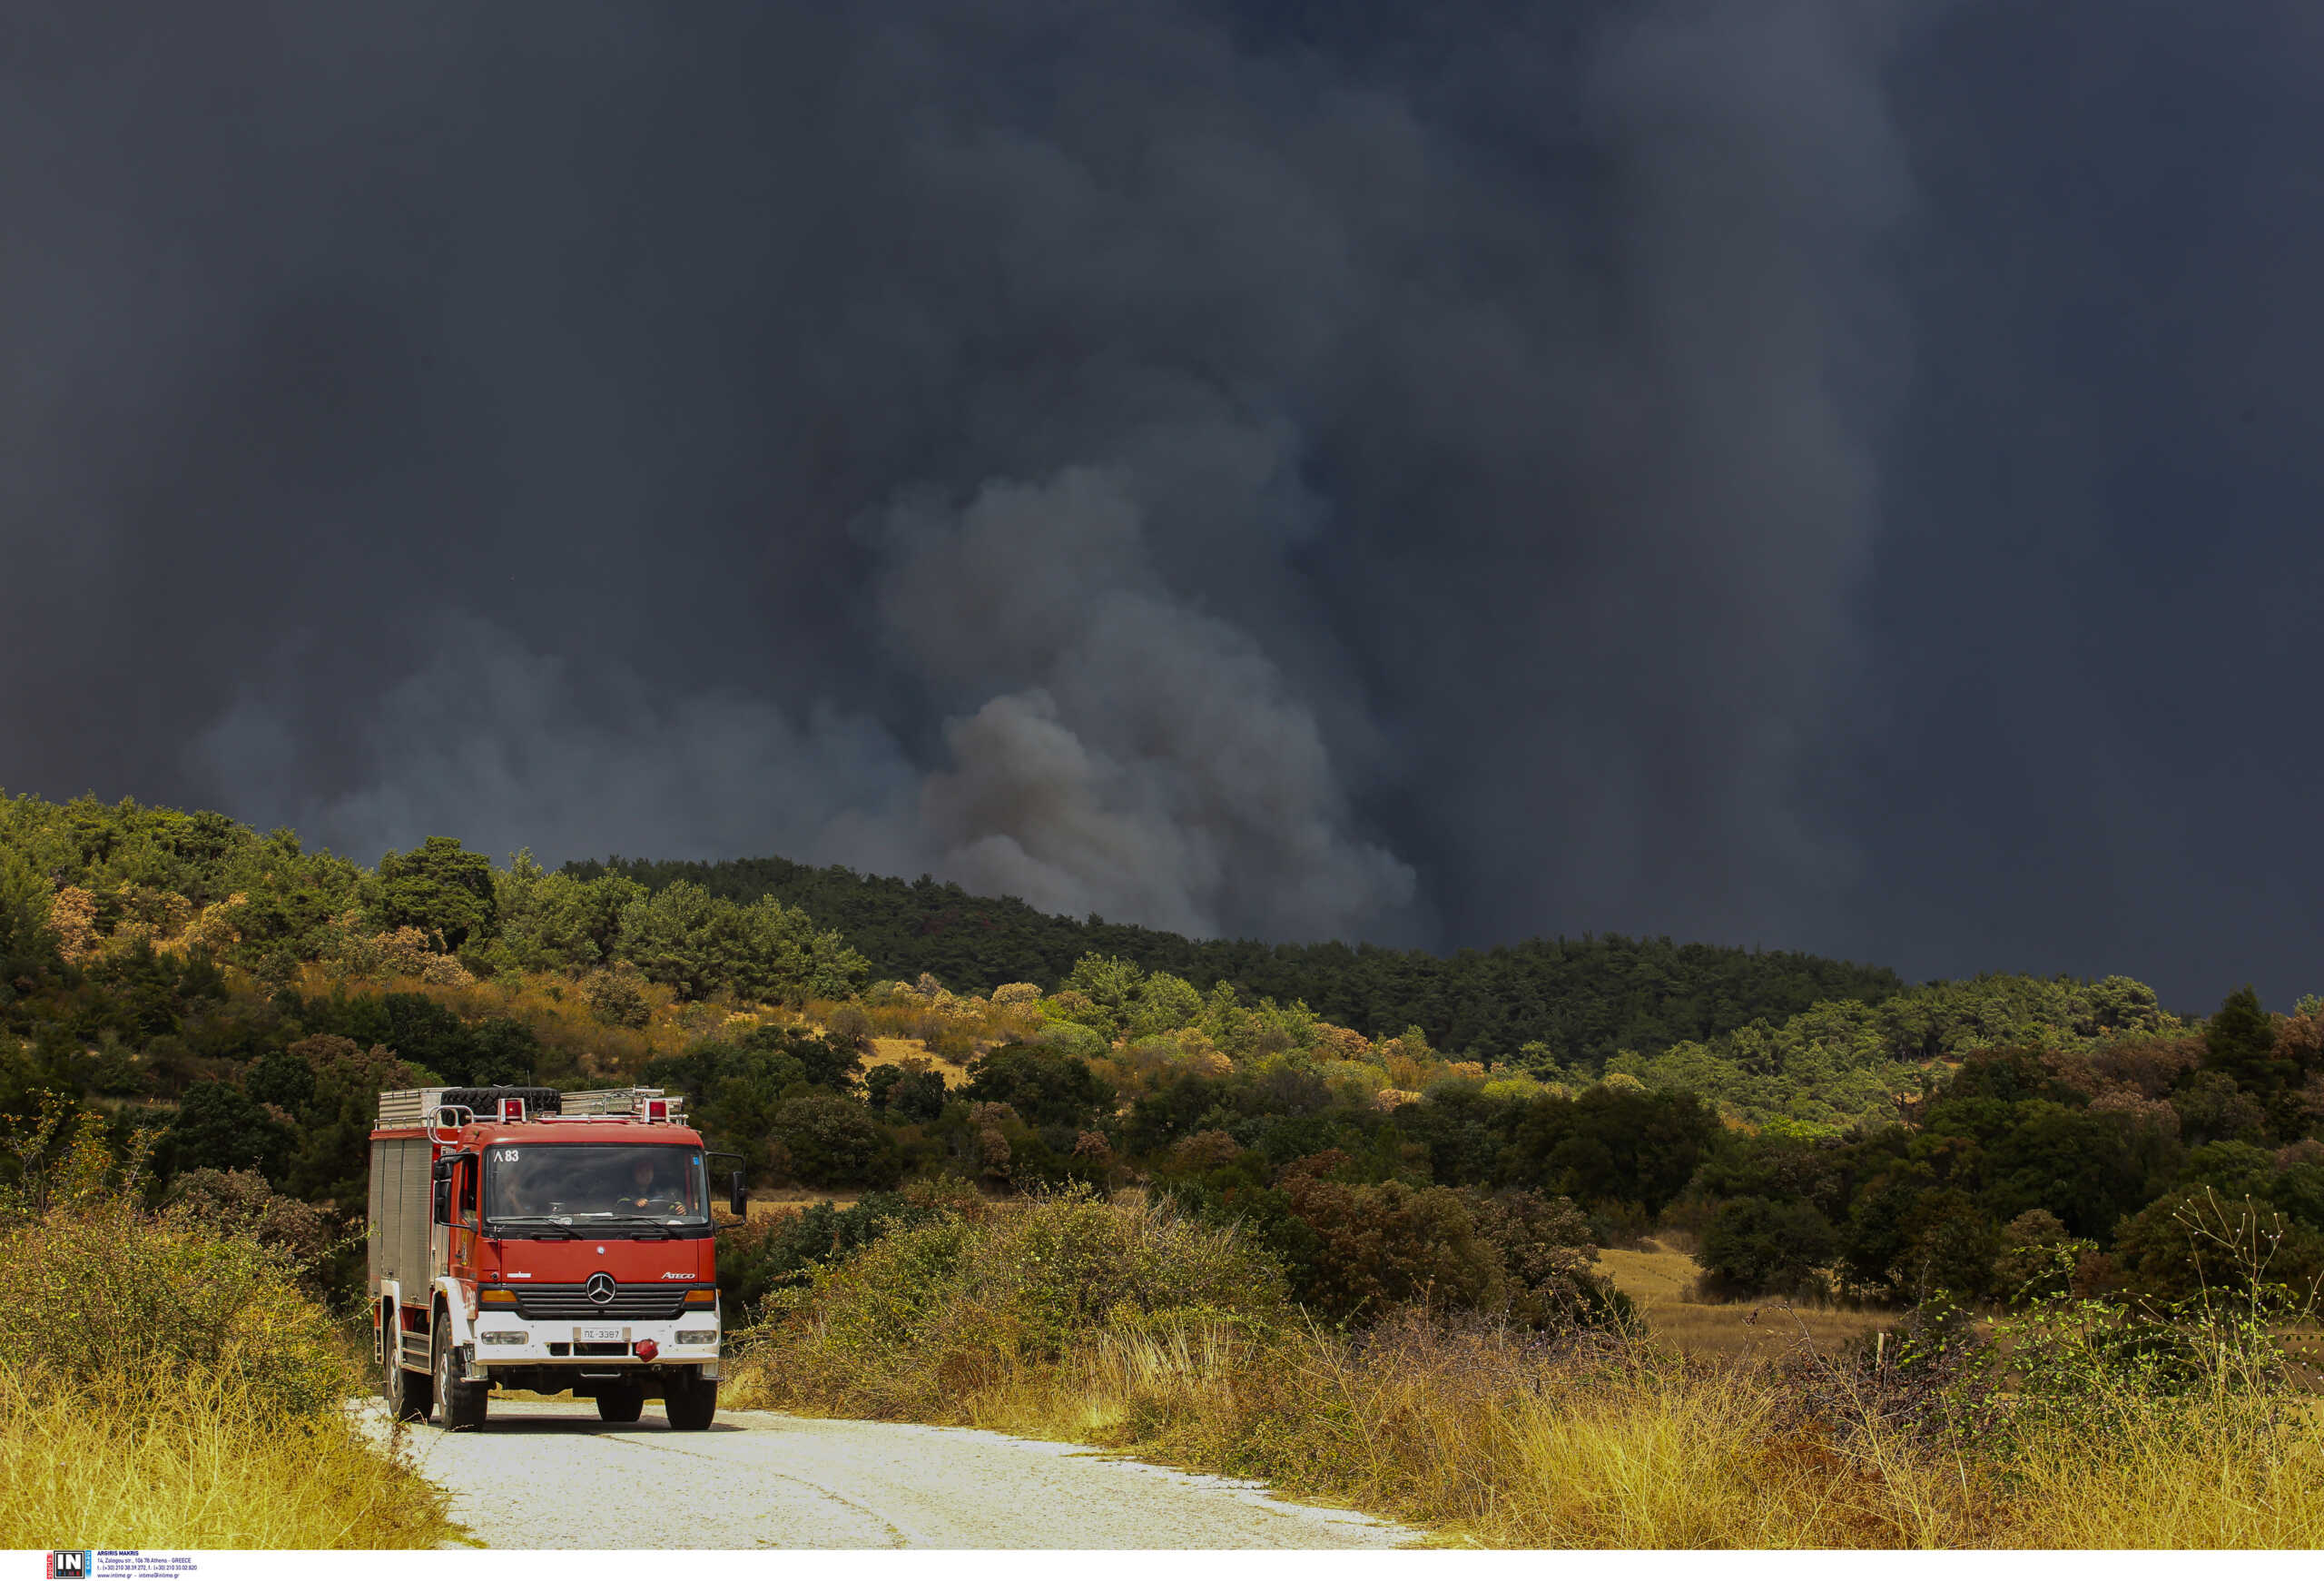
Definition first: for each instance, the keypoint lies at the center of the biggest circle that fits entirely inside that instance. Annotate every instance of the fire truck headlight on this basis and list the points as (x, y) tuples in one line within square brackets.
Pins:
[(503, 1336), (697, 1336)]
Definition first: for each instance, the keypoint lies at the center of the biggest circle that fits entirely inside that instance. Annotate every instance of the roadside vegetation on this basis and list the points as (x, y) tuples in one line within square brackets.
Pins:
[(2070, 1424), (1610, 1199), (166, 1381)]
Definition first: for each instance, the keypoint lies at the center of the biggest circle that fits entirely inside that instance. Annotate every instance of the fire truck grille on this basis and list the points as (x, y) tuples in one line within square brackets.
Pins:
[(631, 1303)]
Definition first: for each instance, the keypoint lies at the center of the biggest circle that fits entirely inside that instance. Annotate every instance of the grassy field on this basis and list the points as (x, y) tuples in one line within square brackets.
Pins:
[(899, 1051), (1662, 1282)]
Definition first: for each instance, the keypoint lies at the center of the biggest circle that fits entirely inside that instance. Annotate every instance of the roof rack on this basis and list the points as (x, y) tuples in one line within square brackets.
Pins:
[(410, 1107), (610, 1101), (418, 1106)]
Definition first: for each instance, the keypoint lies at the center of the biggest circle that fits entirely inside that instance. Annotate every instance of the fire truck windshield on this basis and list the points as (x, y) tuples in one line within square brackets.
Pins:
[(596, 1183)]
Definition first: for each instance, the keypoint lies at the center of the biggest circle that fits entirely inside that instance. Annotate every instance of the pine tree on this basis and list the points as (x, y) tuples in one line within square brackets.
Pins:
[(2239, 1042)]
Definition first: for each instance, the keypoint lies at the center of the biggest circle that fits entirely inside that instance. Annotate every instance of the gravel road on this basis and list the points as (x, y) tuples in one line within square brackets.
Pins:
[(550, 1474)]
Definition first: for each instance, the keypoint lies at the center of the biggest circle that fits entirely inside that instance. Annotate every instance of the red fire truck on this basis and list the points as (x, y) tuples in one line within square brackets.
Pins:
[(521, 1238)]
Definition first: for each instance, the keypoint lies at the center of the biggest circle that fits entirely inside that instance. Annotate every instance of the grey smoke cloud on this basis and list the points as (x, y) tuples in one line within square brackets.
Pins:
[(1432, 474), (520, 749), (1119, 753), (1119, 460), (1138, 757)]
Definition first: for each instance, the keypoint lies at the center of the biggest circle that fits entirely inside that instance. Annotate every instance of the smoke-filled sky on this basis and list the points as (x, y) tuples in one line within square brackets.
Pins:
[(1817, 473)]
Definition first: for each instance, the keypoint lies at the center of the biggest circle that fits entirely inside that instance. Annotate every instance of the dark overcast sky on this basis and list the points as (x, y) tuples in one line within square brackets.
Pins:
[(1827, 474)]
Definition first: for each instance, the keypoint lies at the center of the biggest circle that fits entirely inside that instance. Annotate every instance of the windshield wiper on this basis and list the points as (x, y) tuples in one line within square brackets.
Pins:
[(540, 1223)]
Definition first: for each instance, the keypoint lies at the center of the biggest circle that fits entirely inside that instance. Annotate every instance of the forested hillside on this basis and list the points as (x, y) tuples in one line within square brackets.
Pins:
[(1583, 1000), (1818, 1127)]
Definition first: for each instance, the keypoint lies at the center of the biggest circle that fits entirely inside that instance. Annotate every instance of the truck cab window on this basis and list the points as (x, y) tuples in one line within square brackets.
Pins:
[(582, 1182)]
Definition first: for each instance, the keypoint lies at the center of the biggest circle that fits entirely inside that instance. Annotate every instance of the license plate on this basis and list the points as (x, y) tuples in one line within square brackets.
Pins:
[(595, 1336)]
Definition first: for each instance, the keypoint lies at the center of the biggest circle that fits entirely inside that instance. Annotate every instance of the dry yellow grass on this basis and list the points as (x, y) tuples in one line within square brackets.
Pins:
[(1467, 1436), (185, 1462), (906, 1050), (1662, 1282), (2194, 1477), (776, 1202)]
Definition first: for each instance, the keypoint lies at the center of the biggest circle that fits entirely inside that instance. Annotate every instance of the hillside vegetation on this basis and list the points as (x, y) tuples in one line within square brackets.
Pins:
[(1583, 1000), (1237, 1188)]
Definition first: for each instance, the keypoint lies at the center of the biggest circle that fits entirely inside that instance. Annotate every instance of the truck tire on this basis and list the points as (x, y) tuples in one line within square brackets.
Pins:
[(410, 1396), (620, 1403), (462, 1403), (690, 1405)]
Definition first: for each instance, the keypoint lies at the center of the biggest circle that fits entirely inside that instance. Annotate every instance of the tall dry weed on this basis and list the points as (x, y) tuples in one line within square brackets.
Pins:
[(172, 1460), (2187, 1478), (1501, 1437)]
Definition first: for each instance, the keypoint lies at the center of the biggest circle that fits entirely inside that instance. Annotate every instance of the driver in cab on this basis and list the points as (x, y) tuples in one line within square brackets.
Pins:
[(649, 1191)]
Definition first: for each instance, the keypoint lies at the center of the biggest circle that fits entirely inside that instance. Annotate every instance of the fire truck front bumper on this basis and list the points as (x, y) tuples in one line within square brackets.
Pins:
[(505, 1343)]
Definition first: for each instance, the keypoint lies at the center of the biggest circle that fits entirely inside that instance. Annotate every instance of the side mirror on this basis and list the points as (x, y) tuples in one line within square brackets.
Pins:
[(444, 1202), (738, 1196)]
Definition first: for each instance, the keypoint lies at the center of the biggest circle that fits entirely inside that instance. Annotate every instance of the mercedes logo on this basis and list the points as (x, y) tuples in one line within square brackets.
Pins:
[(600, 1287)]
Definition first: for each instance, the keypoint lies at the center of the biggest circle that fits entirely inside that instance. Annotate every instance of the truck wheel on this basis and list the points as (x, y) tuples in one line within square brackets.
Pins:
[(463, 1403), (410, 1396), (620, 1403), (690, 1404)]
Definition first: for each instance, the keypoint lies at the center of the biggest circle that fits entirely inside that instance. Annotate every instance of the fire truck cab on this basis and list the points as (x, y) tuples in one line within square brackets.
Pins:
[(524, 1239)]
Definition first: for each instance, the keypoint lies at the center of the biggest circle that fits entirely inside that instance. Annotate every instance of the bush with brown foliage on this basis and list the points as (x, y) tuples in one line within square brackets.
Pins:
[(1363, 1251), (241, 1202), (1391, 1245), (616, 999)]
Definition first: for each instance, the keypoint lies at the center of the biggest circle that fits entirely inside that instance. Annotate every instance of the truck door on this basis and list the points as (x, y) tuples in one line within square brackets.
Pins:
[(465, 1224)]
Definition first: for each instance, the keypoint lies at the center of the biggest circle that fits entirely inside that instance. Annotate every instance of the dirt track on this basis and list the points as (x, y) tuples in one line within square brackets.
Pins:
[(550, 1474)]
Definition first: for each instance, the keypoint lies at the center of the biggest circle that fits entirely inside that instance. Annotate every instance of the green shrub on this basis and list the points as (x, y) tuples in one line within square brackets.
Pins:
[(1754, 1247), (827, 1058), (86, 1294), (239, 1202), (765, 1254), (930, 1313), (2197, 1240), (1045, 1086), (95, 1287), (914, 1095), (1547, 1258), (221, 1127), (616, 999), (831, 1141)]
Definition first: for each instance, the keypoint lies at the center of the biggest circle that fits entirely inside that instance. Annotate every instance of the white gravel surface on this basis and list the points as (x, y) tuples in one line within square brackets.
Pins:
[(550, 1474)]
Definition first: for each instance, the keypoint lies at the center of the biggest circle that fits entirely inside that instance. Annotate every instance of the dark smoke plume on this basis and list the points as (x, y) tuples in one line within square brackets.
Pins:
[(1430, 474)]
